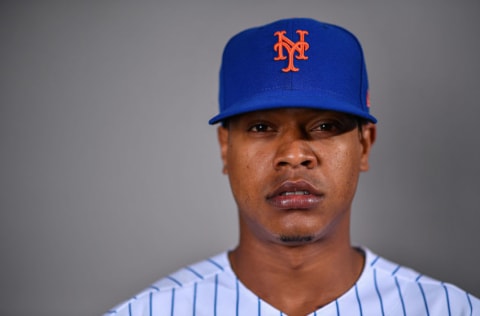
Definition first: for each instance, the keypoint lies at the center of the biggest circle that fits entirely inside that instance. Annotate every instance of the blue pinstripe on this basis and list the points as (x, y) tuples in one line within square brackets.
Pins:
[(172, 307), (448, 299), (401, 297), (424, 298), (130, 309), (374, 261), (215, 296), (396, 270), (194, 298), (215, 264), (358, 300), (378, 291), (150, 303), (194, 272), (237, 286), (470, 304), (259, 310), (174, 280), (338, 308)]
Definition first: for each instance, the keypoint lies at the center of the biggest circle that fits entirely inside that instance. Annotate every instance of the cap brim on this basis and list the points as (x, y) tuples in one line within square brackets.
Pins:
[(291, 99)]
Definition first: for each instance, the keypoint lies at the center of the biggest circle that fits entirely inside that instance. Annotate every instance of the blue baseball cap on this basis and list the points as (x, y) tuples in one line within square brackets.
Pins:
[(293, 63)]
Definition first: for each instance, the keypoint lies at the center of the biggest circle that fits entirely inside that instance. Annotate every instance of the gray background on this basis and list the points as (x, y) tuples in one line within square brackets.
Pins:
[(110, 176)]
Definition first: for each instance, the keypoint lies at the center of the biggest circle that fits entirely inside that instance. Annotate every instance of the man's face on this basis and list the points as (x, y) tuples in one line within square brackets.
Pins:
[(294, 172)]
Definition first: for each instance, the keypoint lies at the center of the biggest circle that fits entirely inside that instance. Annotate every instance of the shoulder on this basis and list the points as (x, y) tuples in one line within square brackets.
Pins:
[(178, 285), (411, 289), (186, 277)]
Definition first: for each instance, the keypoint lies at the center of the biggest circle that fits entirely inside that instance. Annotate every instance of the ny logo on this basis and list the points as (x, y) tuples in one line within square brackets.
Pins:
[(285, 43)]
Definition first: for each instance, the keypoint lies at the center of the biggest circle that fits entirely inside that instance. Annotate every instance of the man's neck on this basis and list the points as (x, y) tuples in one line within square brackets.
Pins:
[(297, 280)]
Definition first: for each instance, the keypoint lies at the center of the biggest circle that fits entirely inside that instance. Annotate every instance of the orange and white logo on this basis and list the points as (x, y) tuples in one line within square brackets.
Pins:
[(284, 43)]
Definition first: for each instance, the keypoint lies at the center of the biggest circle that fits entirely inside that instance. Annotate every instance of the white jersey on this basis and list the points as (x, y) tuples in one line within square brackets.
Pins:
[(211, 288)]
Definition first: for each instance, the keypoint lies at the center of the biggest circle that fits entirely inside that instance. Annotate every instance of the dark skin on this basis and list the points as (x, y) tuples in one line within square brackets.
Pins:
[(293, 174)]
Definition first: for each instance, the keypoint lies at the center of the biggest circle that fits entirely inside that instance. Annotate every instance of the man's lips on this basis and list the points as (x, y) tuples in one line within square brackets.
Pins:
[(295, 195)]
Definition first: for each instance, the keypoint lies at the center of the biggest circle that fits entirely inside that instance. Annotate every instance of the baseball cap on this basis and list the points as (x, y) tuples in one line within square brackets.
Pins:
[(297, 62)]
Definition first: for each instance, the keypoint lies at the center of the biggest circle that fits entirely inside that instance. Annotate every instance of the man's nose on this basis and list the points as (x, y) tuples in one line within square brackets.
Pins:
[(295, 152)]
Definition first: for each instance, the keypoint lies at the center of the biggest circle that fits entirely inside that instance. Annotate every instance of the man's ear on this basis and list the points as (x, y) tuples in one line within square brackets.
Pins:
[(222, 133), (367, 138)]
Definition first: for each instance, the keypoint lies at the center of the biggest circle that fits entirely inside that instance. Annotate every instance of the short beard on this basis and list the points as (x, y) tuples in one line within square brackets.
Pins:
[(298, 239)]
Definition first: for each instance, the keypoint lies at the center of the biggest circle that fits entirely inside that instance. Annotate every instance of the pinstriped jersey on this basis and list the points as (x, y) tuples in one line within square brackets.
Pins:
[(210, 288)]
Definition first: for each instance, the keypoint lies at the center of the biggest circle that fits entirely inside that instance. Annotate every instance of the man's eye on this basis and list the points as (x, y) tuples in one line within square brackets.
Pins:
[(259, 128), (335, 127), (327, 127)]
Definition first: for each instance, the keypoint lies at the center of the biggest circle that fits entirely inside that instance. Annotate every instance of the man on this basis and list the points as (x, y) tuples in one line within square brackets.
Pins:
[(295, 134)]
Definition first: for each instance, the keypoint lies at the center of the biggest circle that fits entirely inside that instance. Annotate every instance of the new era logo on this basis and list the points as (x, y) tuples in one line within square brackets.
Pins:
[(286, 44)]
